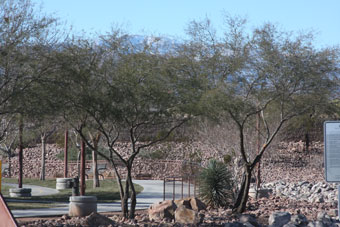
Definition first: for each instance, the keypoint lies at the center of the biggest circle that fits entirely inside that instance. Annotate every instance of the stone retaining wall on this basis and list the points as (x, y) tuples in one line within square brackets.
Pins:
[(55, 167)]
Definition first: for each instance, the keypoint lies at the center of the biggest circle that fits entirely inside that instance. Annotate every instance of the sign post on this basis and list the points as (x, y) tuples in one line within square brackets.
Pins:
[(332, 154), (0, 174)]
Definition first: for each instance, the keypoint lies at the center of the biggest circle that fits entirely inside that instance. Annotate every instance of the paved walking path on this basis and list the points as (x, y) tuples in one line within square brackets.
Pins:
[(152, 193), (36, 190)]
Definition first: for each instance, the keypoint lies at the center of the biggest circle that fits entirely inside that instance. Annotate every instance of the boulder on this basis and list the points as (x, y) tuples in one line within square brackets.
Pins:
[(249, 219), (316, 224), (95, 219), (299, 220), (197, 205), (290, 225), (233, 224), (192, 203), (184, 215), (183, 202), (248, 224), (261, 192), (324, 218), (159, 211), (278, 219)]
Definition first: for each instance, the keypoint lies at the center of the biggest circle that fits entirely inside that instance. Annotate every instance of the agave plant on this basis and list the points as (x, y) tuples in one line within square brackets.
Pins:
[(216, 184)]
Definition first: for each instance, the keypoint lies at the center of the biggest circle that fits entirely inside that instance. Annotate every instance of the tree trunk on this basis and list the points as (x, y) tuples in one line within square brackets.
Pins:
[(133, 199), (258, 144), (78, 163), (65, 154), (307, 141), (9, 163), (95, 161), (242, 197), (43, 152), (82, 169), (126, 197), (120, 185), (96, 183), (21, 127)]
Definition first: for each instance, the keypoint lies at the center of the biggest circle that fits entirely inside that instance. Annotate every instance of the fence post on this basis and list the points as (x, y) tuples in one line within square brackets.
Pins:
[(189, 187), (164, 189), (194, 188), (182, 188), (173, 190)]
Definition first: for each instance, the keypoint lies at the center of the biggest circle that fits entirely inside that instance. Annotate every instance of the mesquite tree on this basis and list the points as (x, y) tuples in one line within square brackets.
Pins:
[(126, 90), (268, 75)]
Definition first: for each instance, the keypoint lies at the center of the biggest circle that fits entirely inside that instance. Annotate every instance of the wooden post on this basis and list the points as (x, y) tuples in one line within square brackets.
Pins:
[(65, 153), (20, 152), (82, 168)]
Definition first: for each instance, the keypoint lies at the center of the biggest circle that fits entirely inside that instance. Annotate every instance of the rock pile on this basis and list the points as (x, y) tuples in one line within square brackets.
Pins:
[(185, 211), (312, 192), (275, 219)]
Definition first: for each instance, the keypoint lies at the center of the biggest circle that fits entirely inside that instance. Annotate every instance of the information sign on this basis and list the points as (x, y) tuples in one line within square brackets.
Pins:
[(332, 150), (0, 175)]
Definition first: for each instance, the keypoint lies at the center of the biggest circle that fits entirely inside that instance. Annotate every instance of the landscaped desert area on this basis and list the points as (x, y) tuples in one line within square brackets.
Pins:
[(169, 113)]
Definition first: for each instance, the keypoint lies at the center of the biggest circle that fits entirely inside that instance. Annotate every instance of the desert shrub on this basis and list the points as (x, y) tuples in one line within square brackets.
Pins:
[(227, 158), (216, 185)]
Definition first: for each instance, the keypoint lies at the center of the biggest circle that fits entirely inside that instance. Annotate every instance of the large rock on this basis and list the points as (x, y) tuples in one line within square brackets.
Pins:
[(261, 192), (233, 224), (161, 210), (247, 219), (183, 202), (184, 215), (324, 218), (316, 224), (192, 203), (299, 220), (279, 219), (197, 205), (95, 219)]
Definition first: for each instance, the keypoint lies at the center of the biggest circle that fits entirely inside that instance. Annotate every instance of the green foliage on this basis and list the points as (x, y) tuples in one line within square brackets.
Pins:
[(107, 192), (227, 158), (216, 184)]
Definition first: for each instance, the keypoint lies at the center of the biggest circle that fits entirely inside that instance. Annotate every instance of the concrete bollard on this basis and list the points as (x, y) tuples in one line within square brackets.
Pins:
[(62, 183), (20, 192), (81, 206)]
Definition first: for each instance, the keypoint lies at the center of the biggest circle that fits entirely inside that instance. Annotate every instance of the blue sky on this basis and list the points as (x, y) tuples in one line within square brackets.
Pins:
[(170, 17)]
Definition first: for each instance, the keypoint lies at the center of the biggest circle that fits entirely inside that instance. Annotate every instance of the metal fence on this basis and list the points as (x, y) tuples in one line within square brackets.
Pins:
[(176, 187)]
